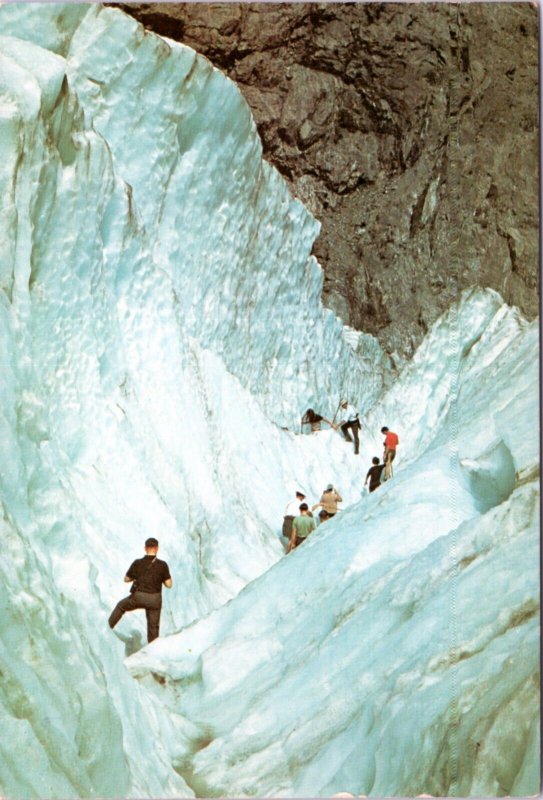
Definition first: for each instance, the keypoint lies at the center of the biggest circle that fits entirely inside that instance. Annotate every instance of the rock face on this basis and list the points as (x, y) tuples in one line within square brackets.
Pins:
[(410, 131)]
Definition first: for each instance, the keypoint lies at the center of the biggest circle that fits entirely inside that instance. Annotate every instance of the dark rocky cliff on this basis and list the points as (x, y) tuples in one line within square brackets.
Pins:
[(410, 131)]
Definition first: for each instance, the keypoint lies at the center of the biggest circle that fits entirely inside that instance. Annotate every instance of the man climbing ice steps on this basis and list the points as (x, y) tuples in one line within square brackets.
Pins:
[(147, 575)]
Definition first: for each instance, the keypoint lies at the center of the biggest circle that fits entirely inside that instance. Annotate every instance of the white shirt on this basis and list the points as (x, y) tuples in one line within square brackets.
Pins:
[(293, 508), (349, 414)]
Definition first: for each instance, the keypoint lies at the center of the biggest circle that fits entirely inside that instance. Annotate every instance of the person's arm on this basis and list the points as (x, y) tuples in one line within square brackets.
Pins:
[(339, 498), (315, 506), (367, 477), (332, 424), (167, 579), (129, 577)]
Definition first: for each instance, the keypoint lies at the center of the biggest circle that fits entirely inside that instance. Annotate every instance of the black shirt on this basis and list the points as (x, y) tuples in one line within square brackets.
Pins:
[(374, 474), (148, 576), (309, 418)]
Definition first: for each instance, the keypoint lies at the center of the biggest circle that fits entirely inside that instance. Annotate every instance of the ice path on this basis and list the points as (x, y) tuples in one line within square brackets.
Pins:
[(159, 321)]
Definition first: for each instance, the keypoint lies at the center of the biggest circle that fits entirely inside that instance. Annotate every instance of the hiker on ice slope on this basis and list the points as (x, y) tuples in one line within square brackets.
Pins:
[(146, 575), (374, 474), (328, 502), (390, 444), (350, 422), (314, 420), (302, 526), (291, 512)]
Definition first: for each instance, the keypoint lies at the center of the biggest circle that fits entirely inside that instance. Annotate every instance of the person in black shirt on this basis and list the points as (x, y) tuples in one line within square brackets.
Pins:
[(314, 420), (147, 576), (374, 474)]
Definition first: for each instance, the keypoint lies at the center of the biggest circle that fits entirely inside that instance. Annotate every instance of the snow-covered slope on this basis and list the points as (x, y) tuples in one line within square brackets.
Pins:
[(160, 323)]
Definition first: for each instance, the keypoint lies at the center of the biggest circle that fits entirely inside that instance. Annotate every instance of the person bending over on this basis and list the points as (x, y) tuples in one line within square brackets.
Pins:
[(328, 502), (314, 420)]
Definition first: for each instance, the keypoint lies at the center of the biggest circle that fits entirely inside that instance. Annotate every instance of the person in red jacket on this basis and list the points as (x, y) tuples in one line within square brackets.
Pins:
[(391, 442)]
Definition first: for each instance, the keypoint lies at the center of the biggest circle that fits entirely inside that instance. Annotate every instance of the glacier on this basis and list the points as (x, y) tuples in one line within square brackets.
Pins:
[(162, 332)]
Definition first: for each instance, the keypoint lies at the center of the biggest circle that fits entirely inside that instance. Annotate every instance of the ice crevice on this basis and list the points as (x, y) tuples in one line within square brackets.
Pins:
[(161, 330)]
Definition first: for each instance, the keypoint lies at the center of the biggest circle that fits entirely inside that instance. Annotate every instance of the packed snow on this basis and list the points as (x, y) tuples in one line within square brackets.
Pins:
[(162, 333)]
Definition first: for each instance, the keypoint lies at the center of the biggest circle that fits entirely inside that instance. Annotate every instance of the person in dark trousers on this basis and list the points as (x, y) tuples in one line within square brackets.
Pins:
[(301, 528), (374, 474), (146, 576), (350, 422), (291, 512), (314, 420), (390, 444)]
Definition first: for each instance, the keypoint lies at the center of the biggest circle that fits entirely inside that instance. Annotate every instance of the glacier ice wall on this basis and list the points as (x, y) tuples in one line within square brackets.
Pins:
[(158, 299), (160, 322), (145, 236), (396, 652)]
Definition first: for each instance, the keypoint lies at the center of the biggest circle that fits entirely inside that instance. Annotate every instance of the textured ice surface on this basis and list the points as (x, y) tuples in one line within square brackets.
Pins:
[(396, 652), (160, 322)]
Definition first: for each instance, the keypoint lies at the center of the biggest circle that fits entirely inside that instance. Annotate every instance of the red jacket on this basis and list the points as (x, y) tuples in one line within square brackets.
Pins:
[(391, 440)]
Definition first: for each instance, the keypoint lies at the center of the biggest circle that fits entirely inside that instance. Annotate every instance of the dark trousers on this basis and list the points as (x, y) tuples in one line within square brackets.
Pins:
[(151, 602), (298, 541), (353, 425)]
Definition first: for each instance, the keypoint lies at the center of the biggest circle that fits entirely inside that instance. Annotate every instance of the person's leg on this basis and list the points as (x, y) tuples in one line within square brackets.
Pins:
[(356, 440), (392, 457), (124, 605), (345, 432), (388, 465), (152, 604), (153, 623)]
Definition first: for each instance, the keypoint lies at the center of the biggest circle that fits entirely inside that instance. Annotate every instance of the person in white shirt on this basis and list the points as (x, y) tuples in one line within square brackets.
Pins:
[(291, 511), (350, 422)]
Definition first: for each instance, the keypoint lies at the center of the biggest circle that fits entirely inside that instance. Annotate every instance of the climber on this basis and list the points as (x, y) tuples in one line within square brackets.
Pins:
[(314, 420), (301, 528), (350, 421), (146, 575), (291, 512), (328, 502), (391, 442), (374, 474)]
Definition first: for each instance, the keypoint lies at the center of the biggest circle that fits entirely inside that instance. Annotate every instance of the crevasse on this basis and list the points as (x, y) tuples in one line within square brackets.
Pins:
[(161, 325)]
